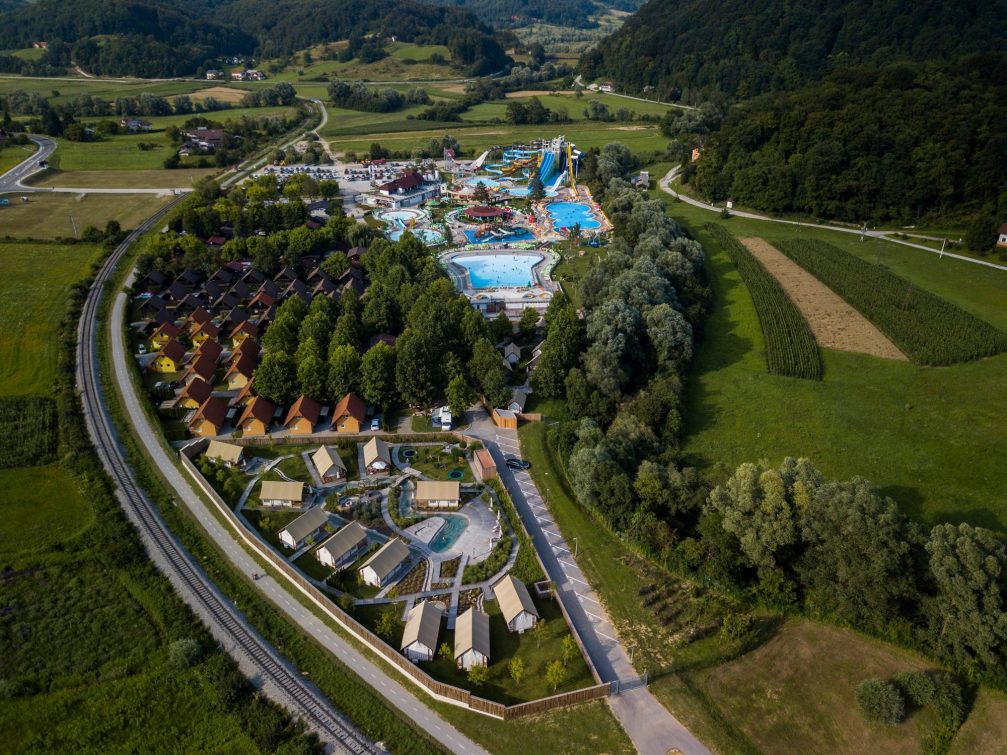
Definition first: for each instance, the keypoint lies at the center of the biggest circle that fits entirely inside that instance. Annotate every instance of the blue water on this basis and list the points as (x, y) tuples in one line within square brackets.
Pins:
[(568, 214), (499, 270), (426, 235), (522, 235), (489, 183), (547, 171), (449, 533)]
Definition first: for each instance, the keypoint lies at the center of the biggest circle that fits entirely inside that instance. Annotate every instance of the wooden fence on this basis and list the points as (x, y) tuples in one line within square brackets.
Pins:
[(436, 689)]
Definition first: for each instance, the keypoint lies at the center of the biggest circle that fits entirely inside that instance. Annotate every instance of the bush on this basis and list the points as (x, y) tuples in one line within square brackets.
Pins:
[(184, 653), (938, 690), (880, 700)]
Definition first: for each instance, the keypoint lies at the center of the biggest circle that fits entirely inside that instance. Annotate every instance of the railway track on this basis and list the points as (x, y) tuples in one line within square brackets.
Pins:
[(302, 698)]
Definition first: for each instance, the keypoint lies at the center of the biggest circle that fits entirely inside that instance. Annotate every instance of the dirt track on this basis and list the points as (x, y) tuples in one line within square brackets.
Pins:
[(835, 323)]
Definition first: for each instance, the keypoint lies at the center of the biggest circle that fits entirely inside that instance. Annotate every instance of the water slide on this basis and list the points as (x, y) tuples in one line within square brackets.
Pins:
[(569, 165), (559, 181), (547, 170), (479, 162)]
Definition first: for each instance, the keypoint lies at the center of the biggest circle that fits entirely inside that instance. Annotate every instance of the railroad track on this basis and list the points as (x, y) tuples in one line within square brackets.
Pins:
[(303, 699)]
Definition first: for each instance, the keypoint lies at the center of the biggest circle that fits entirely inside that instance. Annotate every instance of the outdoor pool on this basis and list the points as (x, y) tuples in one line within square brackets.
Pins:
[(522, 235), (449, 532), (569, 214), (499, 270), (428, 236), (400, 218)]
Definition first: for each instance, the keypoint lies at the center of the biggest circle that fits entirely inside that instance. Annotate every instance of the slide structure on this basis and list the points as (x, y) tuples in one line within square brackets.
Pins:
[(547, 170)]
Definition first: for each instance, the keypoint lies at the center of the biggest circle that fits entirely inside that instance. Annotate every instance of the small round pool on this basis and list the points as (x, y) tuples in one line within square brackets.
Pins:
[(569, 214), (456, 474), (400, 218), (449, 532), (408, 453), (428, 236)]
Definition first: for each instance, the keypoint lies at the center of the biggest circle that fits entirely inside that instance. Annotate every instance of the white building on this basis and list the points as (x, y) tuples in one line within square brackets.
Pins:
[(516, 604), (382, 567), (302, 529), (472, 639), (431, 494), (342, 547), (419, 639), (277, 493)]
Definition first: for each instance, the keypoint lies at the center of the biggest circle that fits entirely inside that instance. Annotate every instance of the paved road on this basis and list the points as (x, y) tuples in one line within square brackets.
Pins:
[(653, 730), (11, 180), (671, 175), (389, 688)]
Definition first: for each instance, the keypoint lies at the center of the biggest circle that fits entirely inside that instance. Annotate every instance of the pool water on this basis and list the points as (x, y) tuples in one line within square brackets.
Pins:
[(499, 270), (569, 214), (401, 218), (449, 533), (426, 235), (522, 235)]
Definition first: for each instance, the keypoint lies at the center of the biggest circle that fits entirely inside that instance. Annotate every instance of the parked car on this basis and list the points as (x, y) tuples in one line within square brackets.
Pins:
[(519, 464), (141, 349), (376, 423)]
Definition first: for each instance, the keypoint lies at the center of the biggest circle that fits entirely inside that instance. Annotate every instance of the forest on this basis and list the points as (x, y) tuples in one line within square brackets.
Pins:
[(517, 13)]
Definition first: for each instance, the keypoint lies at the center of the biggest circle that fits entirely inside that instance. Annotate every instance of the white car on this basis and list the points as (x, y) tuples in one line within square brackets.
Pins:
[(376, 423)]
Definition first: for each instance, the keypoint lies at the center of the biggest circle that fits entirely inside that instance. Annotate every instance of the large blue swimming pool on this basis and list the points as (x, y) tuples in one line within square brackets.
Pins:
[(502, 236), (568, 214), (499, 270)]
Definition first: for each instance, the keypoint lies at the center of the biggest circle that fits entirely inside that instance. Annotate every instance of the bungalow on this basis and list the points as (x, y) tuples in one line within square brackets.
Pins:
[(285, 277), (349, 414), (247, 346), (213, 75), (212, 291), (136, 125), (303, 416), (205, 332), (329, 464), (175, 292), (152, 304), (304, 528), (263, 300), (381, 568), (241, 371), (194, 394), (170, 358), (282, 493), (253, 277), (162, 316), (209, 419), (433, 494), (515, 604), (244, 330), (419, 639), (234, 316), (245, 395), (342, 547), (518, 398), (202, 367), (472, 639), (241, 290), (164, 333), (189, 303), (154, 280), (324, 287), (257, 417), (354, 254), (377, 460), (197, 317), (485, 467), (210, 349), (215, 241), (227, 454), (512, 354), (225, 301), (298, 288)]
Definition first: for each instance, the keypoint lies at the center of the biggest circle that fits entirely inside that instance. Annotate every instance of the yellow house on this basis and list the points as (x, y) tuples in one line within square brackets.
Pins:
[(240, 373), (204, 332), (243, 330), (209, 419), (256, 418), (349, 414), (303, 416), (194, 395), (170, 358), (164, 333)]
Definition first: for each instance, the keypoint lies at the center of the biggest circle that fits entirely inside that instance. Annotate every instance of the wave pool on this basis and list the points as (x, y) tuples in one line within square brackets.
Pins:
[(499, 270), (569, 214)]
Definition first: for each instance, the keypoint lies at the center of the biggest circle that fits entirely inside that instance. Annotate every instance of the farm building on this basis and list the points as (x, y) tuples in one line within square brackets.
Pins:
[(472, 639), (329, 464), (343, 547), (227, 454), (419, 639), (303, 416), (282, 493), (431, 494), (515, 604), (349, 414), (302, 529), (377, 459), (382, 567)]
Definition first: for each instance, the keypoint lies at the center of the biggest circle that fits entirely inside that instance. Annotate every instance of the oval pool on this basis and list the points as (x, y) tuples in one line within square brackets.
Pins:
[(455, 526)]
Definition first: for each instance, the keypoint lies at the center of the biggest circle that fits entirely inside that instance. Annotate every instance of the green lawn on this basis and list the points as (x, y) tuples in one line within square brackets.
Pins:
[(107, 89), (14, 154), (54, 215), (31, 306), (40, 506), (573, 105), (392, 68), (126, 179), (435, 465)]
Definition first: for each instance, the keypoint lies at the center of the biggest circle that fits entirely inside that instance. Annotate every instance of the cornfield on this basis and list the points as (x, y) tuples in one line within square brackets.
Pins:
[(927, 328), (27, 431), (791, 348)]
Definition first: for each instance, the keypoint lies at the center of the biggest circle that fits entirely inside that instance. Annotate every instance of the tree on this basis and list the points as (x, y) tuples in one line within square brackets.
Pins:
[(276, 378), (312, 377), (416, 375), (445, 652), (670, 336), (389, 622), (460, 395), (880, 700), (500, 327), (184, 653), (536, 189), (344, 371), (538, 632), (377, 375), (555, 674), (529, 322), (570, 649), (516, 669)]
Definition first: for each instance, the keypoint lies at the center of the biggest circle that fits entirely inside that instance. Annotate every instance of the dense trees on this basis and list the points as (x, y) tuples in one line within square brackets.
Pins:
[(356, 95)]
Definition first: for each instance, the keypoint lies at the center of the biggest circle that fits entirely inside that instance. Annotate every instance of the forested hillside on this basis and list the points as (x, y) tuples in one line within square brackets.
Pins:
[(516, 13), (746, 47)]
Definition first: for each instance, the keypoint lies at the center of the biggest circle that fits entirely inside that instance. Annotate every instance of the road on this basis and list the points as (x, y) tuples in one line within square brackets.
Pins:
[(651, 727), (10, 181), (671, 175)]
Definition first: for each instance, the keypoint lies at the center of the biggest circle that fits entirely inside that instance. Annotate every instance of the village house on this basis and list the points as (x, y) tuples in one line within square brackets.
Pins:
[(136, 125), (194, 394), (210, 349), (419, 638), (308, 525), (227, 454), (197, 317), (170, 358), (209, 419), (164, 333), (472, 639), (283, 493), (381, 568), (202, 367), (257, 417), (377, 459), (244, 330), (204, 138), (349, 414), (343, 547), (512, 354), (303, 416), (245, 395), (241, 371), (329, 464), (204, 332), (434, 494), (214, 75), (516, 604), (485, 467)]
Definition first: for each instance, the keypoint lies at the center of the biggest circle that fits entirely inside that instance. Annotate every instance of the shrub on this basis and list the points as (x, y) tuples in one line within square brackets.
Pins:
[(184, 653), (27, 431), (880, 700)]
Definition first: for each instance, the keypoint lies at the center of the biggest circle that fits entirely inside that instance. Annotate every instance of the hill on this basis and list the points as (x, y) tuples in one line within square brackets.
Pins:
[(579, 14), (742, 48)]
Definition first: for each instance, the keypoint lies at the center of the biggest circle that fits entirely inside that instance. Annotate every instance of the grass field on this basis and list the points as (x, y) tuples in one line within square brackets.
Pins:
[(107, 89), (14, 154), (42, 506), (921, 435), (30, 308), (985, 730), (48, 215), (125, 179), (392, 68)]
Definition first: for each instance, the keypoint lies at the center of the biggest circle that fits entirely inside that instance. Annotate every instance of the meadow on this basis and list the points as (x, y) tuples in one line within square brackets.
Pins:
[(49, 215), (14, 154), (65, 89), (405, 62), (124, 179)]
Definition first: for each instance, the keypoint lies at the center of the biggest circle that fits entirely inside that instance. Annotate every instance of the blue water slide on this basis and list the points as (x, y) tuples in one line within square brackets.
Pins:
[(547, 170)]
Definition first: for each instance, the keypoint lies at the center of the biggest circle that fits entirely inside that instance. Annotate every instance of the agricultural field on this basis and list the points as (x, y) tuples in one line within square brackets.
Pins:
[(42, 506), (49, 215), (929, 329), (791, 349), (13, 154), (63, 89), (27, 431), (124, 179)]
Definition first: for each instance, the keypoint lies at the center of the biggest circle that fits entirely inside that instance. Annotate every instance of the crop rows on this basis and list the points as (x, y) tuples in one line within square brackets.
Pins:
[(27, 431), (927, 328), (791, 348)]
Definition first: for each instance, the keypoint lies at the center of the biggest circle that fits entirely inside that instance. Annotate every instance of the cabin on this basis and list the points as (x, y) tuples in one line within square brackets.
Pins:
[(244, 330), (210, 349), (198, 317), (209, 419), (170, 358), (164, 333), (226, 454), (303, 416), (485, 467), (377, 459), (329, 464), (423, 626), (248, 346), (303, 529), (202, 367), (343, 547), (194, 394), (435, 494), (240, 373), (472, 639), (516, 604), (512, 354), (257, 417), (282, 493), (381, 568), (204, 332), (349, 414)]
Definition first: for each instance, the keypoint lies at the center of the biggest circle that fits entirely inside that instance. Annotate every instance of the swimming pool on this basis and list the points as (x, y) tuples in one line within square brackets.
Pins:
[(522, 235), (400, 218), (568, 214), (428, 236), (449, 532), (499, 270)]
